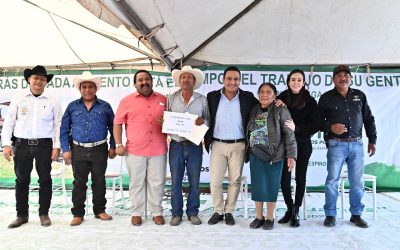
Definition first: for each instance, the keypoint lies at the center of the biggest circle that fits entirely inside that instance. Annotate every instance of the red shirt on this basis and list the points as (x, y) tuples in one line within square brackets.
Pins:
[(140, 115)]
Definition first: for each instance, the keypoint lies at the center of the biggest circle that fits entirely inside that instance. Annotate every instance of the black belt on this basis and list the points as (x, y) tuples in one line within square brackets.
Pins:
[(33, 142), (229, 141), (184, 142), (348, 139)]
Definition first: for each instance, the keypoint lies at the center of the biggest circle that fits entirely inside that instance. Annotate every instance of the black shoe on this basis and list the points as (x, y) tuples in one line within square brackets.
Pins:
[(286, 218), (215, 218), (229, 220), (330, 221), (356, 219), (268, 225), (295, 220), (256, 223), (19, 221), (45, 220)]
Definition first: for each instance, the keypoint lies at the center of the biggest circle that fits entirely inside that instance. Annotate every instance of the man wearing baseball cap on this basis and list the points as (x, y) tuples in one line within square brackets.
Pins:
[(344, 112), (34, 118), (84, 129)]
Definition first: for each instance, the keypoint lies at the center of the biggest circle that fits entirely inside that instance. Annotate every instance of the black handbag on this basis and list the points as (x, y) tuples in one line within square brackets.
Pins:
[(262, 152)]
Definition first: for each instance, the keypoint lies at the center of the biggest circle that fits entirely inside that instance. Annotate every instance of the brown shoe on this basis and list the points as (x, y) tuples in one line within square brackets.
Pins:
[(159, 220), (136, 220), (45, 220), (18, 222), (76, 221), (103, 216)]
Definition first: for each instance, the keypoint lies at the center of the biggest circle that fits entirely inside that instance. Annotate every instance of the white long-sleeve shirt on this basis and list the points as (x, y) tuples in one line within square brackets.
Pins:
[(31, 117)]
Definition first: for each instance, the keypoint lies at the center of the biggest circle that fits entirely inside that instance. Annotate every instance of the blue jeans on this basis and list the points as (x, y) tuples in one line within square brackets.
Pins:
[(189, 156), (353, 154)]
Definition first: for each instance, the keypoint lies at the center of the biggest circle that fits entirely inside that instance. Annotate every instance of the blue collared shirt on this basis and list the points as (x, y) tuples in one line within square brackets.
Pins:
[(228, 121), (87, 125)]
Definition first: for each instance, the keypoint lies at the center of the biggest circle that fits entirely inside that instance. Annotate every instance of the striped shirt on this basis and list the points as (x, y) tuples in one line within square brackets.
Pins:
[(197, 105), (228, 121)]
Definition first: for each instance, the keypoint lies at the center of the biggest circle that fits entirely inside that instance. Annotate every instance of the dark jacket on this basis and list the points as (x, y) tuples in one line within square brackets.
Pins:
[(306, 119), (281, 138), (247, 101)]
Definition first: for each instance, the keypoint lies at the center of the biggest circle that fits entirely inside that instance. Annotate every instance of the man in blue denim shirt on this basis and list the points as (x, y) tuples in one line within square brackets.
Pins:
[(83, 135), (345, 111)]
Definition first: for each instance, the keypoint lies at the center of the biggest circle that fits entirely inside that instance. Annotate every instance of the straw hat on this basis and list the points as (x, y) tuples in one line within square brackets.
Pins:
[(87, 77), (198, 75)]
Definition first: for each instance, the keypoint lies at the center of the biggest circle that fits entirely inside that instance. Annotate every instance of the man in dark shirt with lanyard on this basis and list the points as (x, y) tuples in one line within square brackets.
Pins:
[(344, 112), (87, 120)]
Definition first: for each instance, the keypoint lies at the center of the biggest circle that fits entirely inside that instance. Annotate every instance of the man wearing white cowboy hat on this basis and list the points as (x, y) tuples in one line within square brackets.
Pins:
[(182, 152), (84, 128), (34, 117)]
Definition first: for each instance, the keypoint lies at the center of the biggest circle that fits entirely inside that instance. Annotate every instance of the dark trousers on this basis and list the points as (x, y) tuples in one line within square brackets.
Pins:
[(23, 165), (304, 150), (84, 161)]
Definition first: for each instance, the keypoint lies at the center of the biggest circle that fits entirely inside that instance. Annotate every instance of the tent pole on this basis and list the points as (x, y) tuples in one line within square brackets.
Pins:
[(219, 32), (131, 15)]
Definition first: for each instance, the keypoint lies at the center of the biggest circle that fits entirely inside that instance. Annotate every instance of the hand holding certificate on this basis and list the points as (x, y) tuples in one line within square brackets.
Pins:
[(183, 124), (178, 123)]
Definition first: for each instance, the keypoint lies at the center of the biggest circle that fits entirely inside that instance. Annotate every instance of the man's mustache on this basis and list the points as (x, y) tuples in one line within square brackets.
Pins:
[(145, 85)]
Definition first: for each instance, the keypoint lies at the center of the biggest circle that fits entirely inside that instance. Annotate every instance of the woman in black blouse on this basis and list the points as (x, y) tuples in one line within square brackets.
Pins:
[(304, 111)]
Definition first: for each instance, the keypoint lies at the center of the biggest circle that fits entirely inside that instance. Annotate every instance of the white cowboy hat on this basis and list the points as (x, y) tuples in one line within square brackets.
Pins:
[(198, 75), (87, 77)]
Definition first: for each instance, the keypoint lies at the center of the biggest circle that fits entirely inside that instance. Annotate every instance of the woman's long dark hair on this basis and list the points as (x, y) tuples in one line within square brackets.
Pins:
[(302, 96)]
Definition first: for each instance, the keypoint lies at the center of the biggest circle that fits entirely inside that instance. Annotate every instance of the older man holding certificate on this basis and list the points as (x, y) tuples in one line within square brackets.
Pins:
[(182, 152)]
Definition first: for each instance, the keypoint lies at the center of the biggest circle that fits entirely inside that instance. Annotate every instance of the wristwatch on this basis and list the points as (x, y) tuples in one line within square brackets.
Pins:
[(118, 145)]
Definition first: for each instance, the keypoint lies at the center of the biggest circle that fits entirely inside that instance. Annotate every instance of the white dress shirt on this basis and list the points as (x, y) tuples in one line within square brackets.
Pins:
[(31, 117)]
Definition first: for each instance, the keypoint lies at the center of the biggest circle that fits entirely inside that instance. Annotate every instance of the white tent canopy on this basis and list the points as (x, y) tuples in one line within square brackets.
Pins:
[(62, 33), (265, 32)]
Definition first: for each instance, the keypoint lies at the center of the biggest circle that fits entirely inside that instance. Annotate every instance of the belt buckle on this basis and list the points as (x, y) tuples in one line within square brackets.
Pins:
[(32, 142), (87, 144)]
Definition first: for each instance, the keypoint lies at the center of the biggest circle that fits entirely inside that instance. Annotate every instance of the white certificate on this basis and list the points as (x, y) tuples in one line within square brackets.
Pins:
[(178, 123), (197, 134)]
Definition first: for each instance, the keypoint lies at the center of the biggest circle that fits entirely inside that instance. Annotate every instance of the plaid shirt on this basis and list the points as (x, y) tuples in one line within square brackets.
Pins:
[(197, 105)]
